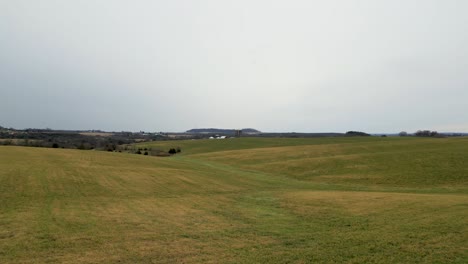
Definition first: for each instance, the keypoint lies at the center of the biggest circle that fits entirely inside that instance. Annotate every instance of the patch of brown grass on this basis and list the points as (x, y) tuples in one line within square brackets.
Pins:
[(365, 203)]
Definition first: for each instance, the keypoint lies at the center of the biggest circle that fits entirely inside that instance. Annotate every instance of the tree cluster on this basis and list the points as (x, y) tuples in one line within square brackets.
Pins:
[(356, 133), (426, 133), (173, 151)]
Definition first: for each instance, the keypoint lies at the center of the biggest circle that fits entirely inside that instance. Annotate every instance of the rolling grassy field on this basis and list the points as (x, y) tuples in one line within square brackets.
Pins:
[(242, 200)]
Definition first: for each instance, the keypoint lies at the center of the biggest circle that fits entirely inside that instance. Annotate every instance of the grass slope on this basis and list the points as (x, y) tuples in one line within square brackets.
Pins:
[(243, 200), (216, 145)]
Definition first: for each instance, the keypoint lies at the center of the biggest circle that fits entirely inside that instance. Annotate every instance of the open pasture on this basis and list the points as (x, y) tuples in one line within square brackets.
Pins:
[(242, 200)]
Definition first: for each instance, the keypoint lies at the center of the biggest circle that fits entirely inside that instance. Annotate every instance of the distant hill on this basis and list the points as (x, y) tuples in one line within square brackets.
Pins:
[(221, 131)]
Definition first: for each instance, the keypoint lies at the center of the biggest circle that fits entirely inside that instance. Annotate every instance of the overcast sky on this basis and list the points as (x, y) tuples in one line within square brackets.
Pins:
[(304, 66)]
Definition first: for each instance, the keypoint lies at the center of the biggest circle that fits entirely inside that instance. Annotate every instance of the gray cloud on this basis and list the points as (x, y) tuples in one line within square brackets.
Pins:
[(273, 65)]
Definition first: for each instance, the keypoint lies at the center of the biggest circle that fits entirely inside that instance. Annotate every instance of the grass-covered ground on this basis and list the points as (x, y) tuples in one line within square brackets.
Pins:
[(243, 200)]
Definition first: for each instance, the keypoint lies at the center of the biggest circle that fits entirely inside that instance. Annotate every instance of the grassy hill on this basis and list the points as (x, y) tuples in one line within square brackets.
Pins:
[(202, 146), (241, 200)]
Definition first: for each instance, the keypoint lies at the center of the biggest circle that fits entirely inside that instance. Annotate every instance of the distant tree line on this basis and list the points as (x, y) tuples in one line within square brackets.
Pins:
[(428, 133), (63, 140), (357, 133), (72, 140)]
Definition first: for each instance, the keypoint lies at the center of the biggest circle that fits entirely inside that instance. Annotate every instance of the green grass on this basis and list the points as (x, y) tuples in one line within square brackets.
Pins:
[(243, 200), (215, 145)]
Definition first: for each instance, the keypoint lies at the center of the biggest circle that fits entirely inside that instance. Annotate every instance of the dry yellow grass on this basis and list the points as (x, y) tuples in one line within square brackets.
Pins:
[(367, 203)]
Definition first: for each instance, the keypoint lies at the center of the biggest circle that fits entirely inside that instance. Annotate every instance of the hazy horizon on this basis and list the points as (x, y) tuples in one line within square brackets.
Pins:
[(135, 130), (276, 66)]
